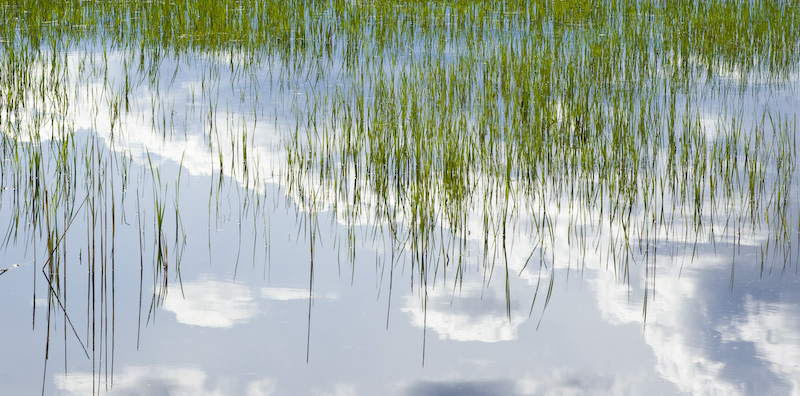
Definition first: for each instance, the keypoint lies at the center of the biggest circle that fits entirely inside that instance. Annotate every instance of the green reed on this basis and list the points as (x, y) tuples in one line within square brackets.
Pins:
[(419, 121)]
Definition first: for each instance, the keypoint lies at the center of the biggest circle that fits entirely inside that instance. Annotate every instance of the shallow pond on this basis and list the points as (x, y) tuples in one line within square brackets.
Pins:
[(399, 199)]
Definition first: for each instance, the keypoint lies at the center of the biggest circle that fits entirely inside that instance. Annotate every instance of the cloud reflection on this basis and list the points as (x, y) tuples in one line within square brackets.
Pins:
[(283, 293), (158, 380), (339, 389), (709, 343), (772, 328), (212, 303), (551, 382), (476, 314)]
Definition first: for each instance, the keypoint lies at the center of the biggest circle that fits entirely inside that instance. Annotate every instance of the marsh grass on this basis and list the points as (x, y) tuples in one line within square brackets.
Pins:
[(596, 113), (425, 126)]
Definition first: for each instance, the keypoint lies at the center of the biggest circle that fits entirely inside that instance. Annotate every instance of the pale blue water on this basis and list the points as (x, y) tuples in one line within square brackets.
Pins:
[(240, 314)]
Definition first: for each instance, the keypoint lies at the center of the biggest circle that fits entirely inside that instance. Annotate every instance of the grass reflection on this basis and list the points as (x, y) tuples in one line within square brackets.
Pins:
[(428, 126)]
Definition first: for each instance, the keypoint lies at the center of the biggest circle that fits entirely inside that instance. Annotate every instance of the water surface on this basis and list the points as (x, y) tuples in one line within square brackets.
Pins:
[(398, 205)]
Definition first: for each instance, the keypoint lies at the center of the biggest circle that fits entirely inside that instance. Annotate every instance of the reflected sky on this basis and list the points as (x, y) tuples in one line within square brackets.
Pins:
[(557, 382), (247, 330), (473, 313), (155, 380), (220, 336), (212, 303), (709, 339), (772, 330)]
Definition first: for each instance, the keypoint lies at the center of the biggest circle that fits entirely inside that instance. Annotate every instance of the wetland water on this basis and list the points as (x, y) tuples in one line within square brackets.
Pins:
[(399, 198)]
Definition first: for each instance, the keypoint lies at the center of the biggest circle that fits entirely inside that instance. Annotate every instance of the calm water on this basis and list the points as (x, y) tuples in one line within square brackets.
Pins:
[(264, 293)]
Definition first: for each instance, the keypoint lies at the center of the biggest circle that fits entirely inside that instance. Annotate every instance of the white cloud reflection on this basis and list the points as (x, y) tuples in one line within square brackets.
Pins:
[(212, 303), (339, 389), (475, 314), (224, 304), (283, 293), (186, 138), (774, 330), (707, 343), (692, 323), (160, 380)]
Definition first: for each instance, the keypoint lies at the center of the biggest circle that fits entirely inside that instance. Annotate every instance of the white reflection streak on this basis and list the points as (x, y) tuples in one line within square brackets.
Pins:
[(160, 380), (773, 329), (338, 390), (465, 327), (283, 293), (138, 138), (211, 303), (670, 332), (462, 322)]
